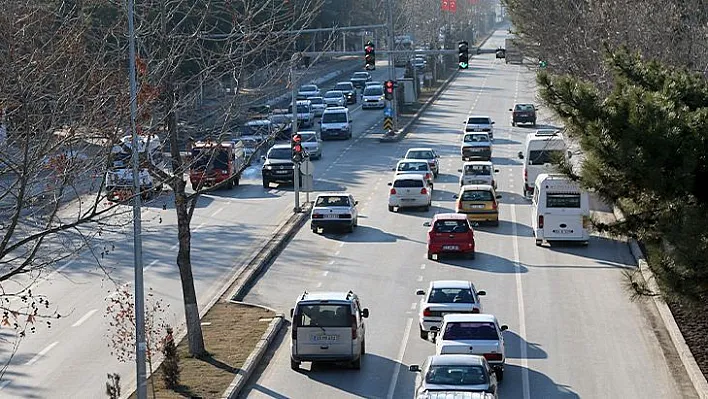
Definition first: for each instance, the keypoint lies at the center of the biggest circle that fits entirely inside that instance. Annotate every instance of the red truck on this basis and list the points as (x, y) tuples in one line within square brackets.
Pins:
[(213, 162)]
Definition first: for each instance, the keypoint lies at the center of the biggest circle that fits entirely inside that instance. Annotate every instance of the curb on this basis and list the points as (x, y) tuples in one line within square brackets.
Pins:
[(246, 370), (700, 384)]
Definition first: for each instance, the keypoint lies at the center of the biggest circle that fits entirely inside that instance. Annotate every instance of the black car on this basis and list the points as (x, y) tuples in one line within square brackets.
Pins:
[(349, 91), (278, 166), (359, 79), (523, 113)]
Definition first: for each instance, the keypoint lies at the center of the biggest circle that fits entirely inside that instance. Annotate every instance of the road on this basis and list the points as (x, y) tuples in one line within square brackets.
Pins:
[(71, 359), (573, 332)]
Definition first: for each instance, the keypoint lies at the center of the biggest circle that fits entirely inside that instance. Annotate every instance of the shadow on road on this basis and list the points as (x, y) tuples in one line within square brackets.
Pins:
[(540, 385), (484, 262), (366, 234), (513, 343)]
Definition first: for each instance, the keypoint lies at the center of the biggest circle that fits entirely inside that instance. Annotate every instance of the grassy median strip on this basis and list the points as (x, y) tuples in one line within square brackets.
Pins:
[(231, 332)]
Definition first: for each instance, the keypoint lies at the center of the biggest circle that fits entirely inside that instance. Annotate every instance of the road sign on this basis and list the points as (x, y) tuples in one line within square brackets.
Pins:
[(388, 123), (388, 111), (307, 167)]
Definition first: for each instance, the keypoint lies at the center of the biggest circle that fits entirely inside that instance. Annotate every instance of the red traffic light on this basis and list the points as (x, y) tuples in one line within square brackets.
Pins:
[(297, 138), (389, 85), (297, 148)]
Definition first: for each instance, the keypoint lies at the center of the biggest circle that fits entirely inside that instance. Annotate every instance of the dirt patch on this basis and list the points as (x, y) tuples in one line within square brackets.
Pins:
[(692, 319), (230, 337)]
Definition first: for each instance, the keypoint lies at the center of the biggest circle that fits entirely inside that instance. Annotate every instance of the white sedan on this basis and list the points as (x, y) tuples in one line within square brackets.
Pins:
[(409, 191), (334, 210), (415, 166), (446, 297)]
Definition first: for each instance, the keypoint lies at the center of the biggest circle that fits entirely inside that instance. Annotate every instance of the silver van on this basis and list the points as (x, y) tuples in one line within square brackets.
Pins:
[(336, 123), (328, 327)]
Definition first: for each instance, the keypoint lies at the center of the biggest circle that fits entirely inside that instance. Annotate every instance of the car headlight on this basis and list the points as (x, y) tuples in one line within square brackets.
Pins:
[(267, 167)]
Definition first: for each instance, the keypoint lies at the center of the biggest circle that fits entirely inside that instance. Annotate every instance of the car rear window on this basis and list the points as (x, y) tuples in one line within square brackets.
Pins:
[(420, 155), (343, 87), (308, 137), (334, 117), (451, 226), (333, 94), (451, 295), (373, 91), (477, 195), (323, 315), (478, 121), (456, 375), (562, 200), (412, 167), (476, 138), (332, 200), (316, 100), (308, 88), (408, 183), (478, 170), (543, 157), (471, 330), (524, 107)]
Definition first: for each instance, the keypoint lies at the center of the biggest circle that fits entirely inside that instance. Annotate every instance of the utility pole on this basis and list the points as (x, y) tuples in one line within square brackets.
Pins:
[(140, 345), (296, 166), (391, 66)]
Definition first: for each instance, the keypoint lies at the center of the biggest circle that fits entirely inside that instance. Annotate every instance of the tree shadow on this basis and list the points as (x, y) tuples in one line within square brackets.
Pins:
[(166, 201), (506, 161), (328, 186), (509, 197), (513, 344), (506, 227), (366, 234), (484, 262), (501, 141), (540, 384), (606, 251)]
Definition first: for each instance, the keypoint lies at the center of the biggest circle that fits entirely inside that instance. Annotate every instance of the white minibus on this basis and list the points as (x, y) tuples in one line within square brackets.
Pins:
[(542, 150), (560, 210)]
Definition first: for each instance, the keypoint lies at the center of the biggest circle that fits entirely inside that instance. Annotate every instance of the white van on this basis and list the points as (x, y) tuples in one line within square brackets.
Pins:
[(541, 149), (336, 123), (560, 210)]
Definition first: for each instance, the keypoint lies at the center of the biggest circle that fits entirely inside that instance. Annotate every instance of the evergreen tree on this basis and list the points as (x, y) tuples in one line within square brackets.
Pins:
[(170, 365), (645, 145)]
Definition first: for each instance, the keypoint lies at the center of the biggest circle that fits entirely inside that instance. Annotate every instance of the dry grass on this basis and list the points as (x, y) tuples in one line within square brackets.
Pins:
[(232, 335)]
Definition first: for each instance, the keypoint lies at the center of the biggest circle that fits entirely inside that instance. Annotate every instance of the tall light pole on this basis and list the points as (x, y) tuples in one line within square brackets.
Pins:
[(391, 60), (140, 345)]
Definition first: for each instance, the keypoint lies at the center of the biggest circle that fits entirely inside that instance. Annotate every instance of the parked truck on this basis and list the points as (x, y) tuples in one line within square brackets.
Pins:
[(119, 177), (213, 162), (512, 52)]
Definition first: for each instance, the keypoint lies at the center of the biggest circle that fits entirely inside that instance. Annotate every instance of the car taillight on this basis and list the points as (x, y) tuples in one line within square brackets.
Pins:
[(424, 190), (393, 191), (317, 216), (540, 221), (458, 205), (494, 205), (427, 312), (475, 310), (526, 174), (427, 176), (345, 216), (493, 356), (354, 327)]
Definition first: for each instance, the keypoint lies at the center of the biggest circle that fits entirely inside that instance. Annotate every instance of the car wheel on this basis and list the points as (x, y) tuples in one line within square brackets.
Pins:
[(266, 184), (356, 365), (539, 242), (533, 123), (426, 208), (586, 243), (294, 365), (390, 208), (423, 334), (194, 187), (350, 229), (471, 255), (236, 181), (495, 223), (513, 123), (430, 255), (435, 175), (363, 347), (500, 375)]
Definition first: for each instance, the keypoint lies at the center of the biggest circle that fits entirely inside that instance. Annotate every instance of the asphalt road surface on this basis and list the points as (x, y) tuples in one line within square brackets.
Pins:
[(573, 332), (71, 359)]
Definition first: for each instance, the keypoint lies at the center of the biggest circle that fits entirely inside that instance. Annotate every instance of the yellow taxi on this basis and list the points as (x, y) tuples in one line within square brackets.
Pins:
[(479, 203)]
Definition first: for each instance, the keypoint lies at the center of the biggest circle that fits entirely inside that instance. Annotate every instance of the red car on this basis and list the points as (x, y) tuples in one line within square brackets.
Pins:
[(450, 233)]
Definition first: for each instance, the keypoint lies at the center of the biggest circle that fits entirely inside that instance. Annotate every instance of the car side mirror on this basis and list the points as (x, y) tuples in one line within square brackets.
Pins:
[(493, 122), (511, 110), (481, 292), (496, 170), (504, 327), (520, 155), (263, 158), (414, 368), (426, 224), (459, 170), (356, 202), (393, 169), (434, 329), (365, 313), (437, 156), (292, 312), (498, 196), (390, 184), (455, 196), (420, 292)]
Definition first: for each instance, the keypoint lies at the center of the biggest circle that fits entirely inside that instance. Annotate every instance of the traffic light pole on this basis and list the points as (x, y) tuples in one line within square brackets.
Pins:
[(296, 166), (391, 66)]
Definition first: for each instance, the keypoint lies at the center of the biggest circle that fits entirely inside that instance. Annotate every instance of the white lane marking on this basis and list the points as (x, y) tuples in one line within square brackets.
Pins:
[(341, 244), (337, 253), (332, 262), (319, 285), (413, 305), (4, 384), (420, 278), (42, 353), (86, 317), (397, 367), (325, 273), (218, 211), (174, 246), (150, 265), (520, 301), (422, 266), (199, 227)]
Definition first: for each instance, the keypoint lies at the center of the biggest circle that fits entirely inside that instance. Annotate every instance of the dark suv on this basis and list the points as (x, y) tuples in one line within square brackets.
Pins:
[(349, 91), (278, 166), (523, 113)]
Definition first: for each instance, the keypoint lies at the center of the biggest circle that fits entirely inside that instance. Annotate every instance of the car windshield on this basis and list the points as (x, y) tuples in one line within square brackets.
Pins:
[(420, 155), (408, 183), (479, 121), (524, 107), (301, 109), (316, 100), (332, 200), (343, 86), (456, 375), (413, 167), (360, 75), (280, 153), (476, 138), (329, 315), (451, 226), (333, 94), (334, 117), (203, 157), (373, 91), (451, 295), (543, 157), (308, 137), (252, 130), (470, 330), (478, 170), (308, 88), (477, 195), (562, 200)]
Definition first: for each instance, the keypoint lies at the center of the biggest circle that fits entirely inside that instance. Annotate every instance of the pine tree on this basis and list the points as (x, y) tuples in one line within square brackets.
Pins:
[(170, 365), (646, 147)]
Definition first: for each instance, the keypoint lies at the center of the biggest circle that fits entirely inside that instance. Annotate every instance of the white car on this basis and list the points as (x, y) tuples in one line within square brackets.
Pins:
[(472, 334), (307, 91), (476, 147), (409, 191), (373, 97), (446, 297), (428, 154), (478, 172), (318, 105), (415, 166), (335, 98), (455, 376), (334, 210), (480, 123), (312, 143), (373, 83)]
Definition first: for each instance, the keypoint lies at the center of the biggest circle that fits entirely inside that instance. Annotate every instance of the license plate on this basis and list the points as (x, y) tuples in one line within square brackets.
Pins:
[(450, 248), (281, 172), (476, 206), (477, 149), (324, 338), (563, 231), (407, 199), (331, 216)]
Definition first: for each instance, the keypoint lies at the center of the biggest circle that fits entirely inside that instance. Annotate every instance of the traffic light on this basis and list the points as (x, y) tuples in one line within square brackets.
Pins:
[(388, 89), (370, 55), (296, 147), (464, 56)]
